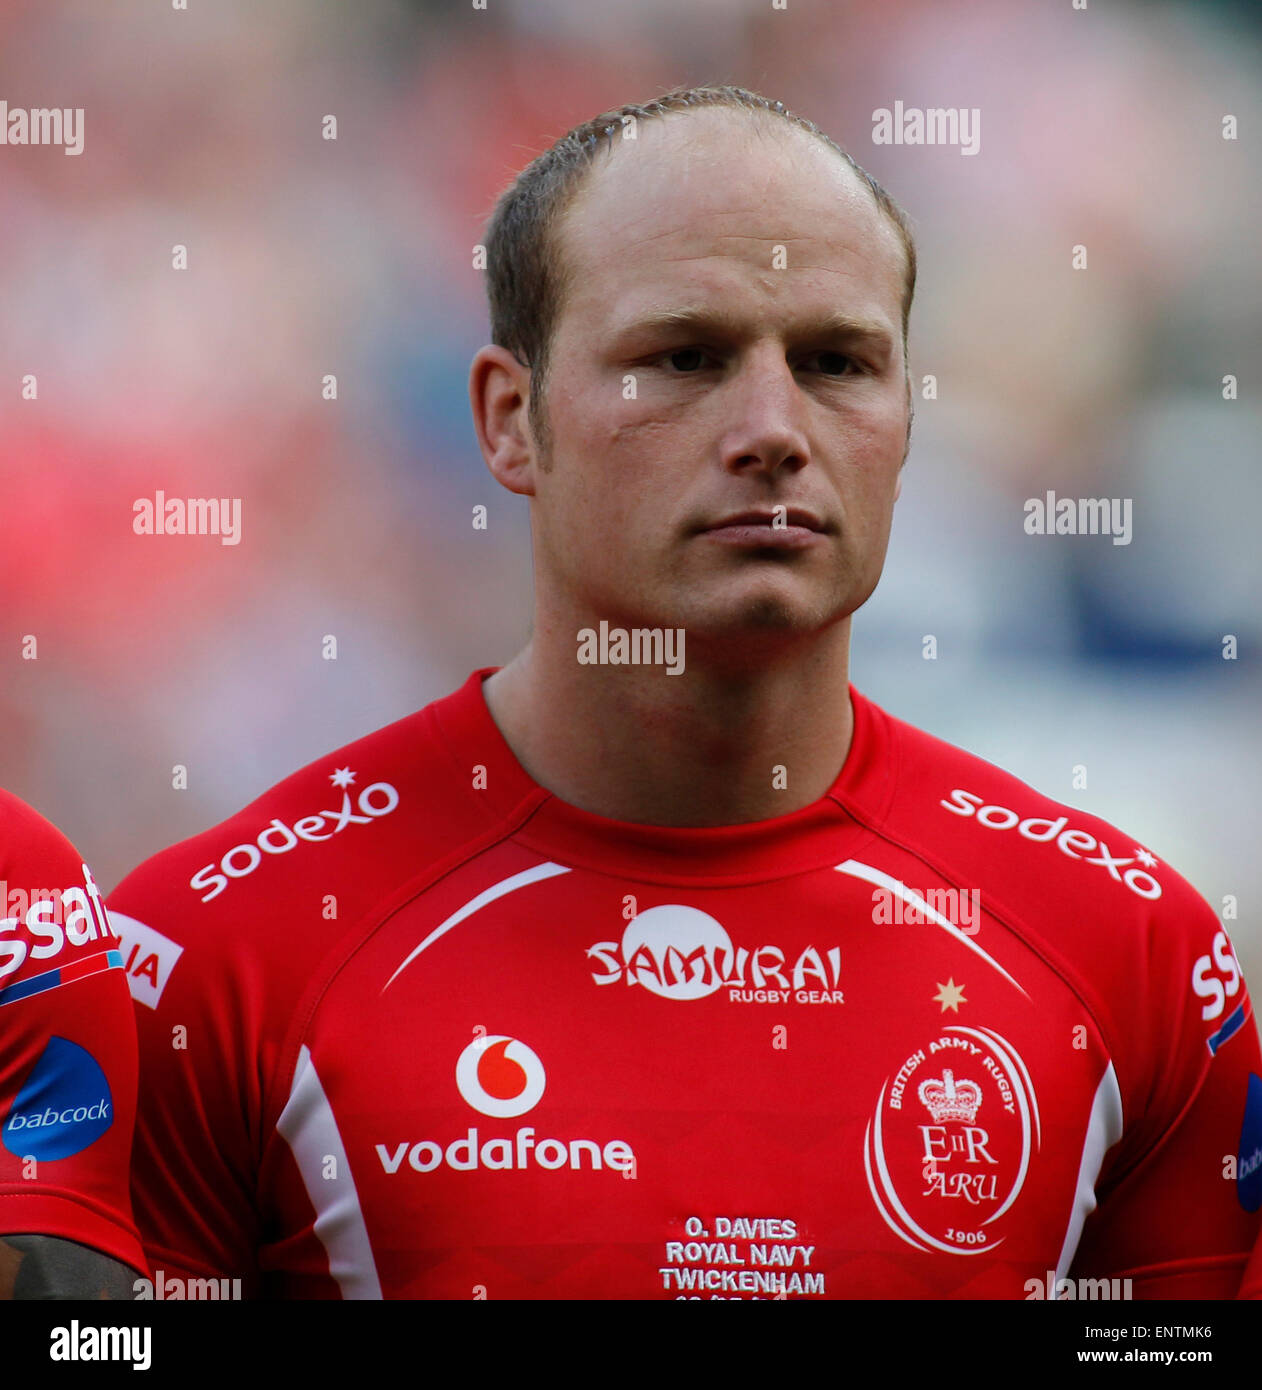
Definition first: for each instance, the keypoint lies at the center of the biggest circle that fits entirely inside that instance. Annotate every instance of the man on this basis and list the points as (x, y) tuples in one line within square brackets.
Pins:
[(600, 979), (67, 1075)]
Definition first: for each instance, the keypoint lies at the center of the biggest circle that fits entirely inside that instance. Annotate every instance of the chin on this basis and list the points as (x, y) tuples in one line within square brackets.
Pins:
[(770, 615)]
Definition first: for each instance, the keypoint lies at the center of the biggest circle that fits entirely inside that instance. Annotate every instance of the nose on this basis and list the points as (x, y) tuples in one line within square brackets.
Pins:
[(765, 415)]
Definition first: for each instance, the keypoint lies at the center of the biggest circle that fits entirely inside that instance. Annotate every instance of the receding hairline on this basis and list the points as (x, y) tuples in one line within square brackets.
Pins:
[(756, 123), (529, 276)]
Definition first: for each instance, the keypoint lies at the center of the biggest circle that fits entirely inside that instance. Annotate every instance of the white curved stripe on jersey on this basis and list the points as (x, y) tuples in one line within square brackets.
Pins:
[(488, 895), (882, 880), (1104, 1129), (308, 1126)]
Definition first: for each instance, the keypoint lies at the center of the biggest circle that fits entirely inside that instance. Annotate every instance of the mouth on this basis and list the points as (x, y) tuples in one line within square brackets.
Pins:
[(791, 530)]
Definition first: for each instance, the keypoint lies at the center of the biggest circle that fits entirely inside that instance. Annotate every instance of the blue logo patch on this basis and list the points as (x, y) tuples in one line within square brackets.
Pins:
[(64, 1104), (1249, 1164)]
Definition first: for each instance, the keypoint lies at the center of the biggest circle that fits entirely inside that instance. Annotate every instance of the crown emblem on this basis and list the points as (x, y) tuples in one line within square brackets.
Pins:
[(948, 1099)]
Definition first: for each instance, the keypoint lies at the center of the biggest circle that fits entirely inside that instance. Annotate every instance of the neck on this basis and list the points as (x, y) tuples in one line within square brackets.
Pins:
[(711, 746)]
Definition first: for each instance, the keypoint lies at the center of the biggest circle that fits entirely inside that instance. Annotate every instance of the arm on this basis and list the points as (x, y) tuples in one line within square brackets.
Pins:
[(1177, 1214), (46, 1267), (193, 1172), (67, 1071)]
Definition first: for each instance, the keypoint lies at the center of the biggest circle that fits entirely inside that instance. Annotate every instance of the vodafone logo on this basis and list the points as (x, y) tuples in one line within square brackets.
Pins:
[(500, 1076)]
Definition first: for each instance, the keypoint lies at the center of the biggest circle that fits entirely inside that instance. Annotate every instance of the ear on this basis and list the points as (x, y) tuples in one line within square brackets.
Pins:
[(499, 395)]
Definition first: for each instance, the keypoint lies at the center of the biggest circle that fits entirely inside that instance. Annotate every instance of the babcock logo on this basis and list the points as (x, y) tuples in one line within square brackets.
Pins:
[(1249, 1160), (63, 1107), (500, 1076)]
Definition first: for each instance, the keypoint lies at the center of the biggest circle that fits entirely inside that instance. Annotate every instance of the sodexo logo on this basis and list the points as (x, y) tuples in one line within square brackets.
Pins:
[(500, 1076), (64, 1104)]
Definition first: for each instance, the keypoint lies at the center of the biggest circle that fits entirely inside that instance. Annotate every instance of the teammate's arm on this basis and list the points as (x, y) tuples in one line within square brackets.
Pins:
[(67, 1075), (48, 1268)]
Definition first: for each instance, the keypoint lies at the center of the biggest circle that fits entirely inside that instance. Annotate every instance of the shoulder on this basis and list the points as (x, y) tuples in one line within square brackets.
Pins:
[(1107, 911), (1011, 838), (283, 879), (51, 914), (30, 846)]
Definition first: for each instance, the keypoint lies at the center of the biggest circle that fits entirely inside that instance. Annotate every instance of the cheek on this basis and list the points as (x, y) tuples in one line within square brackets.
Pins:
[(640, 460), (629, 467), (875, 432)]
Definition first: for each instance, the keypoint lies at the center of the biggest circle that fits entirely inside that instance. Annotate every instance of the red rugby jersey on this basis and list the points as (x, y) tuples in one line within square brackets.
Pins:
[(67, 1047), (413, 1027)]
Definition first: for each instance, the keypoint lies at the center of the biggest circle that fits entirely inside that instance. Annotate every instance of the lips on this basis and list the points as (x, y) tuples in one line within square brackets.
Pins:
[(795, 516)]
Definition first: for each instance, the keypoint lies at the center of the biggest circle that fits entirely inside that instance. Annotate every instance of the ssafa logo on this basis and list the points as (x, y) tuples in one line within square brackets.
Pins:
[(53, 920), (502, 1077), (64, 1104), (679, 952), (276, 837), (948, 1148), (1218, 985)]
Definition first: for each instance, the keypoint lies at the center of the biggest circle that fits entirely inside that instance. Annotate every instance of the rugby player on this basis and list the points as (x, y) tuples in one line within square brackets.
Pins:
[(67, 1075), (661, 962)]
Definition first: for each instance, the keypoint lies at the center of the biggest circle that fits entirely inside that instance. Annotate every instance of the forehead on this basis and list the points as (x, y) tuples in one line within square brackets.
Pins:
[(698, 205)]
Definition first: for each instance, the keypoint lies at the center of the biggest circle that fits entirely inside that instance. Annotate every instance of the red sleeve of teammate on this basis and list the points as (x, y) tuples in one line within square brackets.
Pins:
[(1180, 1197), (67, 1047)]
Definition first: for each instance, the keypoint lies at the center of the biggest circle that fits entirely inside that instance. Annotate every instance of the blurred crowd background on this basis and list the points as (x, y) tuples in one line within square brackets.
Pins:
[(1101, 127)]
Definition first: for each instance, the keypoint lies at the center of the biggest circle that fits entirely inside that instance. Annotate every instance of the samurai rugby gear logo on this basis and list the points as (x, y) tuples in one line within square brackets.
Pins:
[(681, 952)]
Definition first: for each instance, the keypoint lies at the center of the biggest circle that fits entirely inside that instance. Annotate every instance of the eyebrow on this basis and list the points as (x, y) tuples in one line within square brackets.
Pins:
[(834, 326)]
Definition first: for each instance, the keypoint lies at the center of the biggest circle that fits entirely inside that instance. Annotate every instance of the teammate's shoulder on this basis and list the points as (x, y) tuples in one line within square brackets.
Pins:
[(30, 844), (972, 818)]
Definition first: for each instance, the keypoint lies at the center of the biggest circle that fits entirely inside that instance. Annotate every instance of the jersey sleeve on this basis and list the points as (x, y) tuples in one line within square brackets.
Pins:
[(67, 1047), (1178, 1198)]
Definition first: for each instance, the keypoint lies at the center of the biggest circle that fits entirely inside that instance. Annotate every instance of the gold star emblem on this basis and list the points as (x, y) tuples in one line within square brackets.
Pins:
[(950, 996)]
